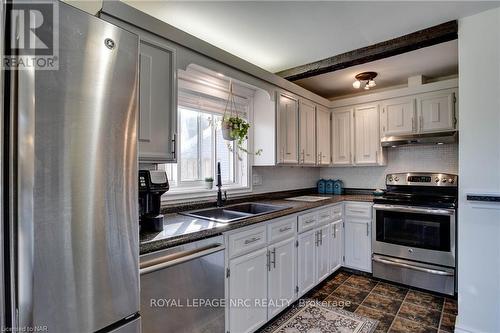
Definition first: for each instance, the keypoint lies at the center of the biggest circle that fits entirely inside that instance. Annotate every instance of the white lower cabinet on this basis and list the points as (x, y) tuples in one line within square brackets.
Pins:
[(336, 245), (358, 248), (247, 283), (306, 261), (282, 276), (323, 258), (270, 266)]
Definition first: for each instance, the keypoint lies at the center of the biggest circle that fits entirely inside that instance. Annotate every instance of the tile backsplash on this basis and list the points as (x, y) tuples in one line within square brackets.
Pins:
[(432, 158)]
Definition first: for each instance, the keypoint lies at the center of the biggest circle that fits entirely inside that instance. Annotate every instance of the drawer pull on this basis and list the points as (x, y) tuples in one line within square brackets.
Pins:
[(309, 221), (252, 240), (325, 216), (285, 229)]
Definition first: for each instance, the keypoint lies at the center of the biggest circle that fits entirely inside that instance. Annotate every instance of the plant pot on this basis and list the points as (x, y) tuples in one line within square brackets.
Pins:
[(209, 185), (226, 128)]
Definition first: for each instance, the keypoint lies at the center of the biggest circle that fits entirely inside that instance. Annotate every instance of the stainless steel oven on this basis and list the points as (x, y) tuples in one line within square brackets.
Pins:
[(414, 231)]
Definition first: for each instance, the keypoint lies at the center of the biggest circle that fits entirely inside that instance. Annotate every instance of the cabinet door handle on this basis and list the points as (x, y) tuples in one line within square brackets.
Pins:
[(268, 264), (252, 240), (334, 231), (274, 257), (413, 124), (316, 240), (367, 229), (321, 237), (174, 144), (285, 229)]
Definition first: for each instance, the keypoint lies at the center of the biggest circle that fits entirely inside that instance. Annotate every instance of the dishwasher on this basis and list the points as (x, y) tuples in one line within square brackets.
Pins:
[(182, 288)]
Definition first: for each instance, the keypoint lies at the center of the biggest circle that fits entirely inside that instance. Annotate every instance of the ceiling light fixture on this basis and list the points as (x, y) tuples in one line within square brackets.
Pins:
[(367, 77)]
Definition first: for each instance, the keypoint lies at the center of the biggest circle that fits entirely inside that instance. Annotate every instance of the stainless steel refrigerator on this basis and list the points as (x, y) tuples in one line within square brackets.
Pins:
[(70, 215)]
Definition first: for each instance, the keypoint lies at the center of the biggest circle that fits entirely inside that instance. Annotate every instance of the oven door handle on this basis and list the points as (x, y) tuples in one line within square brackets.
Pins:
[(415, 268), (410, 209), (157, 264)]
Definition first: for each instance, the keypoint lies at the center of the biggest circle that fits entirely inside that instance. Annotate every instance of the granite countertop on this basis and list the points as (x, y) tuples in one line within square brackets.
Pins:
[(180, 229)]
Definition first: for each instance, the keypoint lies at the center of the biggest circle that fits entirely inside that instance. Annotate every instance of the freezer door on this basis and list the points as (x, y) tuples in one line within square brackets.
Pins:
[(76, 215)]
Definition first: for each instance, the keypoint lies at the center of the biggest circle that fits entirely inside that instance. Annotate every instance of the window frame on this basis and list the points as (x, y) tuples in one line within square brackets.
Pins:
[(182, 191)]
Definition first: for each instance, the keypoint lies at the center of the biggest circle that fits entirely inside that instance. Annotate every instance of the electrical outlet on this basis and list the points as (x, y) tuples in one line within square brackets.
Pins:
[(256, 179)]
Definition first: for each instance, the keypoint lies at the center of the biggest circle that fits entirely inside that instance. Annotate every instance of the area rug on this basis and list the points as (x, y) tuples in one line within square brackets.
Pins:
[(315, 318)]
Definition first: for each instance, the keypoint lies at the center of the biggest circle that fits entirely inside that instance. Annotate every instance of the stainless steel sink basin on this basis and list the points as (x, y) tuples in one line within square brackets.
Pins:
[(234, 213), (255, 208)]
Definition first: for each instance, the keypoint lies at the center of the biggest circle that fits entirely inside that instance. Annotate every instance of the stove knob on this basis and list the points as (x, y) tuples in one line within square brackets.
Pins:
[(444, 180), (451, 180), (436, 180), (390, 179), (396, 179)]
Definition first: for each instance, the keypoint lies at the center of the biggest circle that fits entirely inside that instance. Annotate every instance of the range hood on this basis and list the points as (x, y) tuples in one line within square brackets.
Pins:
[(420, 139)]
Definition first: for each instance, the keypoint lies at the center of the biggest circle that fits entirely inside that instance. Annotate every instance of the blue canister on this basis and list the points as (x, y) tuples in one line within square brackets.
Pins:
[(338, 187), (321, 186), (329, 186)]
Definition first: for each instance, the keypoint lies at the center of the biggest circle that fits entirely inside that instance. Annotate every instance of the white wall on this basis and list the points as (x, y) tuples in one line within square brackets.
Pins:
[(285, 178), (479, 171), (435, 158)]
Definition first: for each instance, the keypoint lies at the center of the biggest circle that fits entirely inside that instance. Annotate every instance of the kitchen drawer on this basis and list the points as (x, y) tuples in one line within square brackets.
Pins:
[(307, 221), (338, 212), (247, 241), (359, 210), (325, 215), (282, 228)]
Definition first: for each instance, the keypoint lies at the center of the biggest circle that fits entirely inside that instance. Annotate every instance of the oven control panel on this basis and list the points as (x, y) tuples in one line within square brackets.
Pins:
[(422, 179)]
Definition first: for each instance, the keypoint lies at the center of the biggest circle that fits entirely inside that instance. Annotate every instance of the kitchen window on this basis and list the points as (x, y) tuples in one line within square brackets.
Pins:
[(201, 146)]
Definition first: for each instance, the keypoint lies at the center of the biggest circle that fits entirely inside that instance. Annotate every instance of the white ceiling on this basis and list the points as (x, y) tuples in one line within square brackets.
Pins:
[(433, 62), (281, 35)]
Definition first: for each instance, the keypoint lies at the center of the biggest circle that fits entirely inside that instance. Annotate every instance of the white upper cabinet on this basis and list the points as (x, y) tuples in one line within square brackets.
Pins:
[(367, 138), (307, 133), (398, 117), (436, 111), (158, 100), (288, 114), (323, 136), (342, 137)]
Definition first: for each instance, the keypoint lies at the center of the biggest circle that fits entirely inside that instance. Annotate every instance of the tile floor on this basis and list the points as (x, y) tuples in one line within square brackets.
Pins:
[(398, 309)]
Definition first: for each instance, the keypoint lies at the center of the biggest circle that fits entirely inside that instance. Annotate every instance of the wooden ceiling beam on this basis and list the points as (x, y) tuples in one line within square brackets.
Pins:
[(423, 38)]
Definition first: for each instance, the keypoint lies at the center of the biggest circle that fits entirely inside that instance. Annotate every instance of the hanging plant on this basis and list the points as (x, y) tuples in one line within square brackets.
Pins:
[(233, 127)]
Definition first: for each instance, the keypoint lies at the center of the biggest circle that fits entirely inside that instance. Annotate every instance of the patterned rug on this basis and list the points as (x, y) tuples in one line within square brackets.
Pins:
[(315, 318)]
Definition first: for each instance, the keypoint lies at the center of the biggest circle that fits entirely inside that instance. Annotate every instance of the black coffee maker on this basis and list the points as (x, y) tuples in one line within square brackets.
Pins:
[(152, 185)]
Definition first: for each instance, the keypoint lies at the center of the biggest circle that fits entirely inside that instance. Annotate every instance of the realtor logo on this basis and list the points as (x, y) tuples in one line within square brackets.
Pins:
[(34, 35)]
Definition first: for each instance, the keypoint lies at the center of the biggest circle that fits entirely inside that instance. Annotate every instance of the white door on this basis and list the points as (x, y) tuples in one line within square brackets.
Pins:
[(323, 249), (398, 117), (323, 135), (342, 137), (358, 244), (437, 112), (282, 276), (288, 114), (366, 135), (248, 281), (307, 133), (336, 245), (306, 261)]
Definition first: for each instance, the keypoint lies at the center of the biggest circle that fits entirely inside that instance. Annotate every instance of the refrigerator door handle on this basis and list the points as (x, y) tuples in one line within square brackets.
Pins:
[(24, 112)]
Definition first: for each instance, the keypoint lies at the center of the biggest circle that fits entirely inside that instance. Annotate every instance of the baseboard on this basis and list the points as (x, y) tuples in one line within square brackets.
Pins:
[(459, 329)]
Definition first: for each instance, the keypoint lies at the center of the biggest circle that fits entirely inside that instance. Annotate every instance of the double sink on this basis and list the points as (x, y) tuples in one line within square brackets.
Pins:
[(235, 212)]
